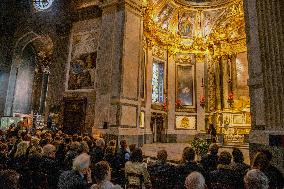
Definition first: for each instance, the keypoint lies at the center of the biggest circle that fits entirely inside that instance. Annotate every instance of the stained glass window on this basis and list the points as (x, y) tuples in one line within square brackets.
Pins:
[(42, 4), (158, 82)]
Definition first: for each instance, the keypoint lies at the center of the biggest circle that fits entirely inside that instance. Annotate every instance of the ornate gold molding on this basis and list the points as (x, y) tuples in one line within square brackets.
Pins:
[(227, 35), (199, 58), (183, 59), (159, 53)]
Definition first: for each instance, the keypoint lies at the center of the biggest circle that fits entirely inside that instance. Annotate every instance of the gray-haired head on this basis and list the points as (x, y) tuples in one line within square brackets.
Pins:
[(81, 162), (255, 179), (100, 142), (195, 180), (49, 151)]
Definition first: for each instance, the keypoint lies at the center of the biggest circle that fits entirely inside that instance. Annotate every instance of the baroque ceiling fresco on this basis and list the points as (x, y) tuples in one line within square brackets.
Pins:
[(213, 27)]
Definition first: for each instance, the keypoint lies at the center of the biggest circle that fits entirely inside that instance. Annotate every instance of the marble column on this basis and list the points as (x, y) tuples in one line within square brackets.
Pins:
[(200, 91), (171, 95), (264, 27), (149, 73), (117, 74)]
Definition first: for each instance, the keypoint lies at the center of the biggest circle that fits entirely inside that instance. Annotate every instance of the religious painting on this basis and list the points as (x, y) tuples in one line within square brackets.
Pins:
[(158, 82), (184, 85), (82, 72), (242, 73), (186, 24), (165, 15), (185, 122), (210, 18)]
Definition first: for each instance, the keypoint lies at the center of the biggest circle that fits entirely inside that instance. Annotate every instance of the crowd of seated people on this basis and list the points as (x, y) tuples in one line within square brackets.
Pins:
[(54, 160)]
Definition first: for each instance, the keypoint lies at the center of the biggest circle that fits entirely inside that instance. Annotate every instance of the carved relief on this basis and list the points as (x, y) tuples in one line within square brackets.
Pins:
[(211, 86), (159, 53), (184, 59)]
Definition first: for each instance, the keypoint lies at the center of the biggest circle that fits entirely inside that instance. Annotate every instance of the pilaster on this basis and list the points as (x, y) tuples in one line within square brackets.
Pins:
[(200, 91), (118, 63), (171, 94)]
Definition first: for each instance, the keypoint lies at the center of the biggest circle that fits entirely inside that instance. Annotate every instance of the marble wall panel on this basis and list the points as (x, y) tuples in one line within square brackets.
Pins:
[(131, 55), (128, 116)]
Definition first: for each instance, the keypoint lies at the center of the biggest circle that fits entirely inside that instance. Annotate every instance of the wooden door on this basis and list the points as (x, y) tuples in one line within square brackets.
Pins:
[(74, 115)]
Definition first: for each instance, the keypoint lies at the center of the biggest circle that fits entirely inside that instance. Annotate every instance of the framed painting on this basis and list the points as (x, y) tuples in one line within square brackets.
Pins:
[(184, 86)]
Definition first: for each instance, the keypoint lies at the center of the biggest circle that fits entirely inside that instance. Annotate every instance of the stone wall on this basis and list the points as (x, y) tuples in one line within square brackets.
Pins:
[(264, 27)]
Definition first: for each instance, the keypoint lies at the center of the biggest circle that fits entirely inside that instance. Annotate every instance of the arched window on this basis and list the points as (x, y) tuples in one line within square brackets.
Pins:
[(42, 4)]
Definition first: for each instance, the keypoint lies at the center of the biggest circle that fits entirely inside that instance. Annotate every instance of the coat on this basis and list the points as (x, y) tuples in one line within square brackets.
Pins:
[(71, 180)]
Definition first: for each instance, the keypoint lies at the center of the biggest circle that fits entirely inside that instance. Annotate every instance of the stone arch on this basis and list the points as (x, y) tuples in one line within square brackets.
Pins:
[(42, 46)]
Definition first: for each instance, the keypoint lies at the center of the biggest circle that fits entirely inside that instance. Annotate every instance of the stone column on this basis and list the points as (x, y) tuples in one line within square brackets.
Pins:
[(171, 95), (225, 81), (44, 89), (117, 81), (149, 73), (264, 27), (200, 91)]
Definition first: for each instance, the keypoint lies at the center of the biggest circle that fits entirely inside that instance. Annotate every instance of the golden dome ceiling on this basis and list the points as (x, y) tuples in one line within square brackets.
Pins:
[(196, 26)]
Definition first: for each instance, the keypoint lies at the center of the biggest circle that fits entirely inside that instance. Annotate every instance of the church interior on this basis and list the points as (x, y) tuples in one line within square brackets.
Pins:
[(146, 71)]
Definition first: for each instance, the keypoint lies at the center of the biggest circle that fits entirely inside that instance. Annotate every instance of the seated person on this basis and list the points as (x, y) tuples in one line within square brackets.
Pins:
[(161, 172), (188, 166), (9, 179), (255, 179), (137, 176), (195, 180), (79, 176), (224, 177), (102, 174)]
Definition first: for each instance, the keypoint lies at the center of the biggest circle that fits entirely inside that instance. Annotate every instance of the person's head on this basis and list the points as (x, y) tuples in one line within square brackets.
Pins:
[(34, 141), (100, 143), (81, 163), (9, 179), (21, 149), (162, 155), (35, 150), (132, 147), (213, 149), (49, 151), (225, 158), (238, 156), (188, 154), (102, 171), (195, 180), (123, 144), (136, 155), (75, 146), (84, 147), (260, 161), (255, 179), (110, 151)]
